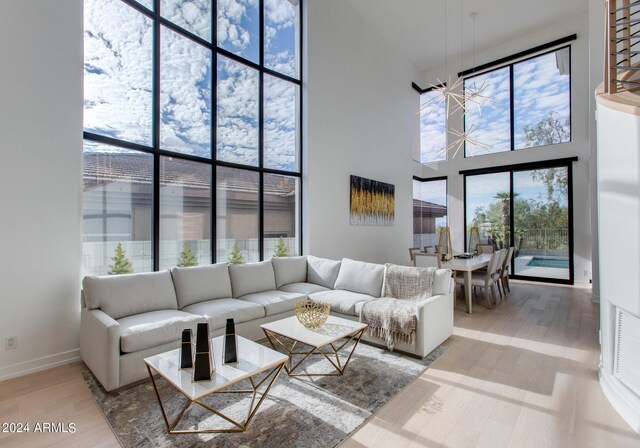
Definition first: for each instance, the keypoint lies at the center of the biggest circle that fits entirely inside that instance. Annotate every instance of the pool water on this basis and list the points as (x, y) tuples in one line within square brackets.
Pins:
[(545, 262)]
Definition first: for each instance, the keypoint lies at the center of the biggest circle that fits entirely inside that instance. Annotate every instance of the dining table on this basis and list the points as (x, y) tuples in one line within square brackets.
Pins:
[(467, 266)]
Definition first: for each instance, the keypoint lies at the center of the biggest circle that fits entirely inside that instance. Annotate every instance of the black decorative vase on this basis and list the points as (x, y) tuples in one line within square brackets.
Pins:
[(186, 351), (230, 344), (202, 366)]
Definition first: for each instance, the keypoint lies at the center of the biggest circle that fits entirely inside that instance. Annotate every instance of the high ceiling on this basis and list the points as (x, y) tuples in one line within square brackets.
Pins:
[(417, 27)]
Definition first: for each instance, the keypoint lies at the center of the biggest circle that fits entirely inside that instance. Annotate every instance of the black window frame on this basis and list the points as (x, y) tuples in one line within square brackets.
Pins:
[(527, 166), (157, 152), (515, 60), (446, 192)]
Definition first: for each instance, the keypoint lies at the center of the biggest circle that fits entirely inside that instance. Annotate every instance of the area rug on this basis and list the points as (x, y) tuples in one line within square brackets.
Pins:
[(298, 412)]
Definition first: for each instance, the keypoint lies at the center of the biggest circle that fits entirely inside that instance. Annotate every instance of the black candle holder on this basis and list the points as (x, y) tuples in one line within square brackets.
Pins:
[(230, 343), (203, 366), (186, 350)]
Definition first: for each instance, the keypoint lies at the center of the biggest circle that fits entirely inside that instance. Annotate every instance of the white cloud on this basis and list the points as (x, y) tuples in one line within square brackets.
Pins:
[(433, 129), (185, 95), (280, 36), (237, 131), (192, 15), (237, 26), (118, 81), (280, 123)]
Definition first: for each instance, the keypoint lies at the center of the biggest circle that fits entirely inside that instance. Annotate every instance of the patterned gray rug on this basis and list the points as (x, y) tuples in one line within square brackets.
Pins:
[(298, 412)]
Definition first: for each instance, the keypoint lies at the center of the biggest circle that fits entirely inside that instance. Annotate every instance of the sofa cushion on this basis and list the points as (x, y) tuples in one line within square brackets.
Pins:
[(201, 283), (217, 311), (289, 270), (154, 328), (441, 281), (341, 301), (322, 271), (303, 288), (274, 302), (125, 295), (358, 276), (251, 278)]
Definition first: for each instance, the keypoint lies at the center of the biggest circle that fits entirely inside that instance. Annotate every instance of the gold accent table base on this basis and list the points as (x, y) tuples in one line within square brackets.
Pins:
[(239, 426), (257, 366), (334, 352)]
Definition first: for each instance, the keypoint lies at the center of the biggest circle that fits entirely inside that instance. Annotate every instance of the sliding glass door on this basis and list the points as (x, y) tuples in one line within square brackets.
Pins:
[(541, 223), (488, 202), (527, 207)]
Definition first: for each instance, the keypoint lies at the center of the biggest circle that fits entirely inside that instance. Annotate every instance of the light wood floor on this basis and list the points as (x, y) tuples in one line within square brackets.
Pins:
[(522, 375)]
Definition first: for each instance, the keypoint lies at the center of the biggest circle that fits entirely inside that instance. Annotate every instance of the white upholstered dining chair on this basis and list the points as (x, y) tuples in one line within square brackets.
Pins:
[(484, 279), (423, 260)]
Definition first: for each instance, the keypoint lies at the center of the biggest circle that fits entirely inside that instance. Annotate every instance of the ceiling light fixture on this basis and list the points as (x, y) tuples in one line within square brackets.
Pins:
[(472, 95)]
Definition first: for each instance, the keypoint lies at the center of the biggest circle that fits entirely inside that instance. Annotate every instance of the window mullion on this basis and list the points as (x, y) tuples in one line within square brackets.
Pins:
[(155, 200), (511, 110)]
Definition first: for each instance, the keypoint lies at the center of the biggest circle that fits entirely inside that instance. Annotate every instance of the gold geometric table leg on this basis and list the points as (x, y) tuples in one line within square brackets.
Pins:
[(290, 367), (239, 426)]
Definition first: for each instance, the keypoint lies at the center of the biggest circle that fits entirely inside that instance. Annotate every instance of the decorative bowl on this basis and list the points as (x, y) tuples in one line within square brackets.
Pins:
[(311, 314)]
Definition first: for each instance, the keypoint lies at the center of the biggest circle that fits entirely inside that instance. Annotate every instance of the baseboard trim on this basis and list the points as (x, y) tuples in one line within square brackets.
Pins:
[(39, 364)]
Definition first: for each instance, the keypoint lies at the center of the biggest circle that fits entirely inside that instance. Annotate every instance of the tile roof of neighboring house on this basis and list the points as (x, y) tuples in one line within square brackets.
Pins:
[(106, 167), (426, 208)]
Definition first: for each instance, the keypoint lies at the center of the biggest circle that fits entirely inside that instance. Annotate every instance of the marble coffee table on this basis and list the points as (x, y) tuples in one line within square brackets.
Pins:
[(328, 340), (253, 359)]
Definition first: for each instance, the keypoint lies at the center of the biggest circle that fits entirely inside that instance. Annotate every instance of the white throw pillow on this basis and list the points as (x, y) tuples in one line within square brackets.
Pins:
[(441, 281), (125, 295), (251, 278), (358, 276), (197, 284), (322, 271), (289, 270)]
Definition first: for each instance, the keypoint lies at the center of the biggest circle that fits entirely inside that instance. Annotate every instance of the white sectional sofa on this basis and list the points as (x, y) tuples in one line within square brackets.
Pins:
[(126, 318)]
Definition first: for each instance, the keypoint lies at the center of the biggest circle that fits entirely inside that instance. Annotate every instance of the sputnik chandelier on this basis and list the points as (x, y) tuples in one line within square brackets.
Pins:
[(459, 97)]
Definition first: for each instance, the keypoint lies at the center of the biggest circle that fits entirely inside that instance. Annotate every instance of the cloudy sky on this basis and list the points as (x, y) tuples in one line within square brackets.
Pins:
[(539, 88), (118, 78)]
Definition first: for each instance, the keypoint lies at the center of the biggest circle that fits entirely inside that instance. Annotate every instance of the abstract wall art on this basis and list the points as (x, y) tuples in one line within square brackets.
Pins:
[(372, 202)]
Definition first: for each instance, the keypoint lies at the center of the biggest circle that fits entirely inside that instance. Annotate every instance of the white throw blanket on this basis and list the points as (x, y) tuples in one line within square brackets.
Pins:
[(393, 317)]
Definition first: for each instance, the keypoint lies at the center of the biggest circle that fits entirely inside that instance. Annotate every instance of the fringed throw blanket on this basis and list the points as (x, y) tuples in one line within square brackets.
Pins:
[(393, 317)]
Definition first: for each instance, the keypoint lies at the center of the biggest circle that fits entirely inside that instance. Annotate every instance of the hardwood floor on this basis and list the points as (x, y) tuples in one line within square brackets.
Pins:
[(521, 375)]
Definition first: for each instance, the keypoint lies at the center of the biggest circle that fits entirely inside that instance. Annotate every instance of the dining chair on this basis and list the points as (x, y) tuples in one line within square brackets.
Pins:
[(484, 279), (412, 253), (504, 275), (423, 260), (429, 249), (486, 248), (497, 276)]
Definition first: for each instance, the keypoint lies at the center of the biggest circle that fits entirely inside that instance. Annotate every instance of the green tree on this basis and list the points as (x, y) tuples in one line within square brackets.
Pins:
[(548, 131), (235, 256), (281, 249), (187, 258), (121, 264), (554, 179), (504, 198)]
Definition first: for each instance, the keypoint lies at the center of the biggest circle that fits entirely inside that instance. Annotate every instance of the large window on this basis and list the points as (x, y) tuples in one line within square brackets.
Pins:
[(429, 210), (528, 207), (531, 104), (433, 127), (192, 138)]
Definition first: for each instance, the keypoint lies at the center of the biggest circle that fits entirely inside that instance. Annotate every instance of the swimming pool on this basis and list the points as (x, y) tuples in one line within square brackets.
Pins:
[(546, 262)]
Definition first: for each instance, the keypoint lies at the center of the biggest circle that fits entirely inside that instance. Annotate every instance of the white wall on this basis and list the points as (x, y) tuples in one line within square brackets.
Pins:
[(361, 119), (579, 146), (40, 182), (596, 67), (619, 221)]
